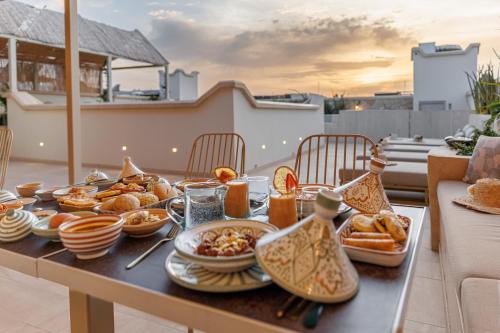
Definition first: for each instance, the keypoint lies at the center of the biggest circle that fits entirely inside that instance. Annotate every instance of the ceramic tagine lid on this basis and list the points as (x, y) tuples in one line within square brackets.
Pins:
[(15, 225), (7, 196), (307, 258), (129, 169), (366, 193), (96, 175)]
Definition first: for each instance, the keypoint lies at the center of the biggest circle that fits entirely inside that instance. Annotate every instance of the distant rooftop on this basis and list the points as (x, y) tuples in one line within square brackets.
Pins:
[(431, 49), (46, 27)]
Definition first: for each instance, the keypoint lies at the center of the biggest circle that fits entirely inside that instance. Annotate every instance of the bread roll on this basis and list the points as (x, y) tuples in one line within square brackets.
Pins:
[(126, 203), (163, 191)]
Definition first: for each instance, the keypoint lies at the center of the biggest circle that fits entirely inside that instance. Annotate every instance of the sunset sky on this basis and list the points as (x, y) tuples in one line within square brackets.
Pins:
[(354, 47)]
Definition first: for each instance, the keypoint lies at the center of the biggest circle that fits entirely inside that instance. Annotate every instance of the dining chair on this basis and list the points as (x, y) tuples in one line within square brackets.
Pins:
[(5, 149), (331, 158), (211, 150)]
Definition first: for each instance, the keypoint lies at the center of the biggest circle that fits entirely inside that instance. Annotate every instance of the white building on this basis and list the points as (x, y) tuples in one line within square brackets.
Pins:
[(439, 76), (181, 85)]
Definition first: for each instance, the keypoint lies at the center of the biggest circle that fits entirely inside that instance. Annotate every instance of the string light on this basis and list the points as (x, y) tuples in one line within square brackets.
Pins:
[(174, 150), (300, 138), (284, 142), (42, 144), (263, 146), (124, 148)]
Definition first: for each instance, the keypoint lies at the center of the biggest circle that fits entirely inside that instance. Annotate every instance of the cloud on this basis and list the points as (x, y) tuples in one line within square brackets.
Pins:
[(279, 45), (166, 14)]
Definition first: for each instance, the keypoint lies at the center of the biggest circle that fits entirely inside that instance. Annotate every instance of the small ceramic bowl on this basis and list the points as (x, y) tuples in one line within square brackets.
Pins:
[(187, 242), (26, 201), (92, 236), (46, 195), (43, 229), (41, 214), (71, 208), (28, 189), (145, 229)]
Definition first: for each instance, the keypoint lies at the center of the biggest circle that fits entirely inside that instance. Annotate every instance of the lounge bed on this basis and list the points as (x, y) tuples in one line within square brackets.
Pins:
[(396, 156), (408, 148), (412, 142), (468, 243)]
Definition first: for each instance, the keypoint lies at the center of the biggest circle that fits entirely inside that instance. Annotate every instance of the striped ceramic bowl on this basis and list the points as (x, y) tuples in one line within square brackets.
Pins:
[(91, 237), (16, 225)]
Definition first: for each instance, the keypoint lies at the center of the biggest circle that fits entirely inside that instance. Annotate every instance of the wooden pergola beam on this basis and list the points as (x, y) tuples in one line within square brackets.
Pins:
[(72, 90)]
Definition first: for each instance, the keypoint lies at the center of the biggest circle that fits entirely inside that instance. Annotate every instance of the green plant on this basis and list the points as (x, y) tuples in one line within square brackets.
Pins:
[(466, 149), (483, 86)]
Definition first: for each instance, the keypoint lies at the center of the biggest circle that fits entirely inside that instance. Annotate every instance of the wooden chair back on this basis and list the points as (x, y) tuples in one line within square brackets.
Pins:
[(216, 149), (332, 158), (5, 149)]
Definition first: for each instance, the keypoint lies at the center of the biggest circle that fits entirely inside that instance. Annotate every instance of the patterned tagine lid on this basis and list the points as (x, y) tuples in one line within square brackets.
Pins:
[(15, 225), (129, 169), (366, 193), (307, 258), (7, 196)]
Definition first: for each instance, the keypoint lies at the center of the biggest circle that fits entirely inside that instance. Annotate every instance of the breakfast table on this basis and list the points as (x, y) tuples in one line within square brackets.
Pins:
[(96, 284)]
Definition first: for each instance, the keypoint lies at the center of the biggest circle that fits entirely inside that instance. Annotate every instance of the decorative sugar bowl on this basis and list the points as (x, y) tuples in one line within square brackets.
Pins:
[(16, 225), (7, 196), (307, 259)]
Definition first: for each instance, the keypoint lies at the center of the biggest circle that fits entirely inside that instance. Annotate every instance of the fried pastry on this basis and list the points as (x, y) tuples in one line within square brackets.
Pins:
[(363, 223), (374, 244), (394, 228)]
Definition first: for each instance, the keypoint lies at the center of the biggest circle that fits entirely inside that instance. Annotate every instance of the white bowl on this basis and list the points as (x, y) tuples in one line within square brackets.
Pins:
[(187, 242), (93, 243)]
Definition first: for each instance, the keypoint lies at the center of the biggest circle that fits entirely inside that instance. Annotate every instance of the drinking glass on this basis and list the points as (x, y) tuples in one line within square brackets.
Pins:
[(237, 201), (282, 209), (307, 197), (203, 202), (258, 187)]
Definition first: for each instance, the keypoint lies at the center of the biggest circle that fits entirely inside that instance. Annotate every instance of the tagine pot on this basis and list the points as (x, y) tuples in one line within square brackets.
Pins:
[(129, 169), (307, 258), (366, 193)]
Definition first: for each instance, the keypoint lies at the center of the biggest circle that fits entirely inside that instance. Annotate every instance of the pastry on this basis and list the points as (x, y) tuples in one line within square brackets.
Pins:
[(374, 244), (126, 202), (163, 191), (109, 193), (370, 235), (486, 192), (363, 223), (394, 228), (148, 199), (108, 204)]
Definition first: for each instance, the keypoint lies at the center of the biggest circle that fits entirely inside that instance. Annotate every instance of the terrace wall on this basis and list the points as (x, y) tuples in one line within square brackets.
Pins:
[(150, 130), (377, 124)]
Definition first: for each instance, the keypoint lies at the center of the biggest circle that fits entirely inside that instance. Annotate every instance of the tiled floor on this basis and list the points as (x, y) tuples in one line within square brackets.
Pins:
[(25, 305)]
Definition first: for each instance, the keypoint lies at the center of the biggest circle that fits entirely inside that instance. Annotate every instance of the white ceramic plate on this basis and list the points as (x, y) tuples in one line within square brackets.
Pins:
[(193, 276), (64, 191), (377, 257), (187, 242)]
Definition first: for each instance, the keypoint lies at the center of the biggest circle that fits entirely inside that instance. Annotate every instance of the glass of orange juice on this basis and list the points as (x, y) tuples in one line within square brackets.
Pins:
[(237, 201), (283, 209)]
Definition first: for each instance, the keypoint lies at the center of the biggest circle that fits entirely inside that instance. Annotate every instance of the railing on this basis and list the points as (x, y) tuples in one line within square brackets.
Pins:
[(377, 124)]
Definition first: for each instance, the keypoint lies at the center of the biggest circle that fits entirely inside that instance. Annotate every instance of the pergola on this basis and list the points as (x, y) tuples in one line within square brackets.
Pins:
[(32, 41)]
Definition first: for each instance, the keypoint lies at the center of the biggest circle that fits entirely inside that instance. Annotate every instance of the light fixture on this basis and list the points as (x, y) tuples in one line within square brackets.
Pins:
[(41, 144), (174, 150), (263, 146), (124, 148), (284, 142), (300, 138)]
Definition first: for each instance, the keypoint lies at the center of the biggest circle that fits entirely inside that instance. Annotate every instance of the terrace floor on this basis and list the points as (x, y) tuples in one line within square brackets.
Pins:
[(27, 295)]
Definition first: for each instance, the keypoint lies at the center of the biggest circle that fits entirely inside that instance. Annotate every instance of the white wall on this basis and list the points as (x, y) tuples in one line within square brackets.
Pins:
[(151, 130), (271, 127), (440, 76)]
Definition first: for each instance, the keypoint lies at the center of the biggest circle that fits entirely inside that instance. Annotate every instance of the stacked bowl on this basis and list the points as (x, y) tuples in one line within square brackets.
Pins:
[(92, 236)]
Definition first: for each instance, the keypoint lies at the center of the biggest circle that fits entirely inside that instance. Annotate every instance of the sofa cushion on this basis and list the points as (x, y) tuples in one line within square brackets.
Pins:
[(485, 161), (472, 239), (481, 305)]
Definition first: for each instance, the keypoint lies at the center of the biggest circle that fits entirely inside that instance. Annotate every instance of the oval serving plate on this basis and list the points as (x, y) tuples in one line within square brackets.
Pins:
[(377, 257)]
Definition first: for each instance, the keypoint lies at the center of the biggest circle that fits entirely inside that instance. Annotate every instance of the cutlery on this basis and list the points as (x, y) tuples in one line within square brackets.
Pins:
[(312, 316), (288, 304), (297, 311), (170, 236)]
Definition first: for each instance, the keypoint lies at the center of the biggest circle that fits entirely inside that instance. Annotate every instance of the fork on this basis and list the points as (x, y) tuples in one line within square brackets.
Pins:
[(172, 233)]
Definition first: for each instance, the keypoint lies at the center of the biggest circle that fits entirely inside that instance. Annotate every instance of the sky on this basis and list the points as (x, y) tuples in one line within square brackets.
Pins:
[(350, 47)]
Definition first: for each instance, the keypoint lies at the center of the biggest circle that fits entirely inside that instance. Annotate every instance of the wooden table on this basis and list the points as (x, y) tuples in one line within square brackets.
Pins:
[(96, 284), (22, 256)]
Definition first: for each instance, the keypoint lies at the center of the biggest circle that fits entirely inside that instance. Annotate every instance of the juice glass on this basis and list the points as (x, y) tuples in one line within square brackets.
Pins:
[(237, 201), (283, 209)]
